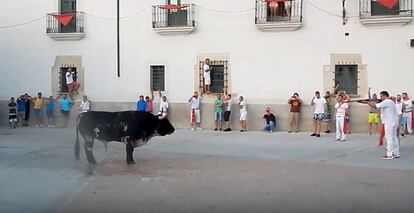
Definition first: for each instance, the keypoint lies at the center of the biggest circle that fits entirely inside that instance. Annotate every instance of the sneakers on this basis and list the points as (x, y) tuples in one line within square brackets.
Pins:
[(343, 140), (387, 157), (243, 130), (318, 135), (327, 131), (313, 134), (192, 129), (199, 129), (227, 130), (290, 131), (215, 129), (337, 139)]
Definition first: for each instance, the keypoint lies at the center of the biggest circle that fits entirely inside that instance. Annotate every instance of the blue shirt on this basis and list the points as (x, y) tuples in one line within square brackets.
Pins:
[(65, 104), (21, 106), (50, 105), (141, 106)]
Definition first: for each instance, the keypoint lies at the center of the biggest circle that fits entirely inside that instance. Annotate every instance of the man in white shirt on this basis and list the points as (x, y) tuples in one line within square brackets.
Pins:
[(319, 113), (207, 76), (70, 82), (85, 105), (195, 117), (389, 118), (407, 113), (341, 111), (164, 106), (243, 114)]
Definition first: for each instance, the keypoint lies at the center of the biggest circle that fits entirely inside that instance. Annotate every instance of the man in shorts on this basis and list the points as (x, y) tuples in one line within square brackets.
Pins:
[(218, 113), (319, 113), (227, 111), (295, 102), (72, 84), (243, 114)]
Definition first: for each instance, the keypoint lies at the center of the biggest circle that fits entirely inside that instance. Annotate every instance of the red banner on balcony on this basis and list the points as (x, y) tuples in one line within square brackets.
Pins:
[(388, 3), (173, 7), (64, 18)]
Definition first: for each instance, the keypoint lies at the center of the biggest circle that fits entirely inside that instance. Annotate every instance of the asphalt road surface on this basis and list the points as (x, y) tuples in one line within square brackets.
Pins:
[(205, 171)]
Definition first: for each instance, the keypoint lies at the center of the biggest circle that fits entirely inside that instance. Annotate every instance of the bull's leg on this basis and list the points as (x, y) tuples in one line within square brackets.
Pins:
[(88, 151), (129, 151)]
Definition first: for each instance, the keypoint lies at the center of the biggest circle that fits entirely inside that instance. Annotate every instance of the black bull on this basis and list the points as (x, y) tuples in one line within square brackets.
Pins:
[(130, 127)]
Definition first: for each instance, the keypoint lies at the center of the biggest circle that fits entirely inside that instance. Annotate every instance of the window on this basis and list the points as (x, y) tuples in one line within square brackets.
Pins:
[(158, 78), (377, 9), (63, 85), (347, 78), (68, 6), (219, 76)]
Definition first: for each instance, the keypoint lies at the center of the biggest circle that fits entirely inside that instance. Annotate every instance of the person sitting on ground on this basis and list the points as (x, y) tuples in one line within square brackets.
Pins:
[(141, 104), (270, 120), (164, 106)]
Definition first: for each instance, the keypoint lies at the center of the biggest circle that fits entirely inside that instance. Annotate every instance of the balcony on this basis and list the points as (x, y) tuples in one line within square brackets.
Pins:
[(374, 14), (278, 16), (167, 21), (73, 30)]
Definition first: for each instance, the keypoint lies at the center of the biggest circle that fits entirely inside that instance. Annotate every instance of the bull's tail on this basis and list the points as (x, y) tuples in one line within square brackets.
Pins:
[(77, 145)]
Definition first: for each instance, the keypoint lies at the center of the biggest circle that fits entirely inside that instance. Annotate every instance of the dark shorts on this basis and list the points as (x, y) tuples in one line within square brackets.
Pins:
[(26, 114), (65, 113), (227, 115)]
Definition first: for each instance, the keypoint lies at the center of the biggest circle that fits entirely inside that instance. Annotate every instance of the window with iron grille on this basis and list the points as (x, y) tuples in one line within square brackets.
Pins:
[(347, 78), (377, 9), (158, 78), (218, 74), (63, 85)]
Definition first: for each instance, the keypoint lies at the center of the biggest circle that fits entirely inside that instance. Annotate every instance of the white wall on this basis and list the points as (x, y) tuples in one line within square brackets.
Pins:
[(266, 67)]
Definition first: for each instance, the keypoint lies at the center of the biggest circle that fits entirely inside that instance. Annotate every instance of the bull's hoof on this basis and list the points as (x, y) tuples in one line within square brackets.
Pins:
[(130, 162)]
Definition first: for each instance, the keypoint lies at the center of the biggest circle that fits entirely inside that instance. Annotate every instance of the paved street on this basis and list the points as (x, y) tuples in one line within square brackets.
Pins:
[(205, 171)]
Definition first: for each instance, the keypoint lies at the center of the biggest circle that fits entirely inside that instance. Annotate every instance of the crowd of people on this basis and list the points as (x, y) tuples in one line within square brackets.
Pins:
[(20, 109)]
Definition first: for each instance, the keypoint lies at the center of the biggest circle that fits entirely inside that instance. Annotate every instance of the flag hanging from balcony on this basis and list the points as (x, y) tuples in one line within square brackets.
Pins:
[(173, 7), (64, 18), (388, 3)]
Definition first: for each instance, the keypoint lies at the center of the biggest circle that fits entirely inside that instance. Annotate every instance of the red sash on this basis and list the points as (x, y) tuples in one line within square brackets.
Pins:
[(381, 139), (193, 116)]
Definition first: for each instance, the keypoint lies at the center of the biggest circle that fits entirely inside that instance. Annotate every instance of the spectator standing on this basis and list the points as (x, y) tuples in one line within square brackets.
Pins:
[(227, 111), (12, 113), (37, 110), (164, 106), (243, 114), (319, 113), (65, 106), (149, 102), (85, 105), (295, 103), (50, 112), (195, 114), (21, 108), (27, 102), (141, 104), (207, 76), (218, 113)]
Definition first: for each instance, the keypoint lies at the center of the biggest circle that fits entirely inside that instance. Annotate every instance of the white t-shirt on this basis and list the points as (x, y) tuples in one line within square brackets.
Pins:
[(227, 105), (69, 77), (319, 105), (206, 69), (85, 106), (341, 109), (388, 112), (164, 106), (243, 107), (408, 105), (195, 103), (399, 107)]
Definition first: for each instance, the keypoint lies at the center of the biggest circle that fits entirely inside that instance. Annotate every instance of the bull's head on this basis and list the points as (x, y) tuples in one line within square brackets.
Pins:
[(164, 127)]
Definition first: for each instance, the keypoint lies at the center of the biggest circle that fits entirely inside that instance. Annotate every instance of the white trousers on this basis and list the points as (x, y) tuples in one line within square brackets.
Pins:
[(393, 145), (340, 124), (408, 117)]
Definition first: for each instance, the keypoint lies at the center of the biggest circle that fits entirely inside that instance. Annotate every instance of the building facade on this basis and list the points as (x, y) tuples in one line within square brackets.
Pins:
[(263, 50)]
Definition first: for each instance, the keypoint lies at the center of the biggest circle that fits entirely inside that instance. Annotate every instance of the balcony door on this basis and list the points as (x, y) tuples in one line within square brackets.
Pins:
[(176, 18), (68, 6)]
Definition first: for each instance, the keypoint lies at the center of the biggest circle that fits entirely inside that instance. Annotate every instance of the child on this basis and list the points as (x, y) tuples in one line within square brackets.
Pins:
[(243, 114), (341, 111), (50, 112), (12, 114)]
